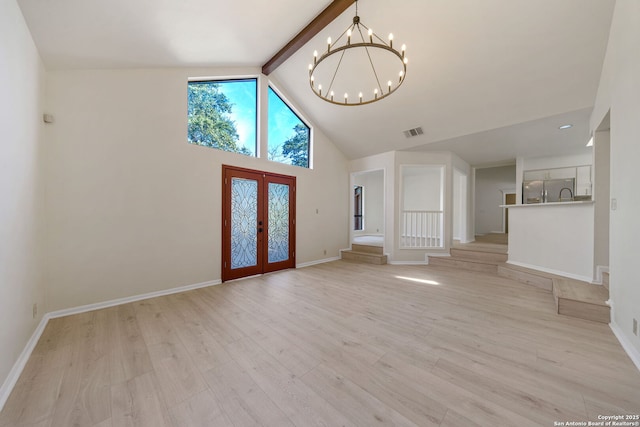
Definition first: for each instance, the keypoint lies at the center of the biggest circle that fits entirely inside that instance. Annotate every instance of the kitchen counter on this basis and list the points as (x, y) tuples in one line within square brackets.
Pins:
[(579, 202)]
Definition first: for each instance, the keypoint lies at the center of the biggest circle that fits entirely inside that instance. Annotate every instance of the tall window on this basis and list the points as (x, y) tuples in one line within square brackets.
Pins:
[(358, 208), (222, 114), (288, 135)]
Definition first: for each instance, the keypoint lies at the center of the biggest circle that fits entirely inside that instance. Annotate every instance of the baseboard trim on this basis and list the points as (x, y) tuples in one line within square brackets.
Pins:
[(126, 300), (599, 270), (18, 367), (631, 351), (552, 271), (16, 370), (319, 261), (408, 262)]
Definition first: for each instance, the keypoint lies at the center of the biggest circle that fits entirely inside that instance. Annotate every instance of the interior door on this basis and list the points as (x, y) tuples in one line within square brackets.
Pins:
[(509, 199), (258, 222)]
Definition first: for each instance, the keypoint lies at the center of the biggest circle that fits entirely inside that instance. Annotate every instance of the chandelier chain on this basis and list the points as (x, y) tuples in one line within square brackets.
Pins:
[(335, 72), (368, 56)]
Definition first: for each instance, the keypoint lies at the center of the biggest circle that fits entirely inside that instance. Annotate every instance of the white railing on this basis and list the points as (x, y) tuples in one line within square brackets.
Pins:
[(421, 229)]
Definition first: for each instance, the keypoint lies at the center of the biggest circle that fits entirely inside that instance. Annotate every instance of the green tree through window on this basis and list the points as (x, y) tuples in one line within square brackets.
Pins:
[(212, 116), (296, 148)]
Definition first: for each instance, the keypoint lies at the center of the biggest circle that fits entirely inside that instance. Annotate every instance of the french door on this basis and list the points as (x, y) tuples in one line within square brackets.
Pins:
[(258, 222)]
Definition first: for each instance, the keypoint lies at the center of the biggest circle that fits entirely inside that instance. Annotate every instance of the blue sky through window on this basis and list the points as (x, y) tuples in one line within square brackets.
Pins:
[(242, 94)]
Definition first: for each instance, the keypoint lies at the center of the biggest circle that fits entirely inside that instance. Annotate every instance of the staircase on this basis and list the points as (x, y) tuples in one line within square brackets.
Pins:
[(581, 299), (573, 297), (477, 259), (367, 254)]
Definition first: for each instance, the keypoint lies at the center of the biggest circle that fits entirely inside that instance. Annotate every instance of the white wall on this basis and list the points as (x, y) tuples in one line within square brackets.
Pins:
[(373, 184), (601, 185), (557, 238), (467, 182), (422, 187), (133, 208), (490, 186), (619, 92), (457, 204), (21, 192)]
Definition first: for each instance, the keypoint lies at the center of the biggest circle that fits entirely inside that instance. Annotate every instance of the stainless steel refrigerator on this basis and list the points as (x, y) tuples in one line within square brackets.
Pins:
[(548, 191)]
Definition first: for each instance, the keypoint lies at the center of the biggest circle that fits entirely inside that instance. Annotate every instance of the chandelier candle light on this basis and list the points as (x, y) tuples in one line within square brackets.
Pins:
[(354, 62)]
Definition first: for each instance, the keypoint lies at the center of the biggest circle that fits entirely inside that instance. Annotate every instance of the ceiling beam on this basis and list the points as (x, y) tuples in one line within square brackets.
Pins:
[(319, 22)]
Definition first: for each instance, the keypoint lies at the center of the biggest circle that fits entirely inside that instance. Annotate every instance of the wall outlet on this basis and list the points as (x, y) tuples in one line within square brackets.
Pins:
[(35, 310), (635, 327)]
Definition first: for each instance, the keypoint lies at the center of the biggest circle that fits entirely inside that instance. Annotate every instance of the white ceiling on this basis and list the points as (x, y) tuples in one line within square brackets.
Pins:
[(486, 79), (536, 138), (163, 33)]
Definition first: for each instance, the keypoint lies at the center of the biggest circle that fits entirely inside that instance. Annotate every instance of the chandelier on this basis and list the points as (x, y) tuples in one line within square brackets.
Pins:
[(357, 62)]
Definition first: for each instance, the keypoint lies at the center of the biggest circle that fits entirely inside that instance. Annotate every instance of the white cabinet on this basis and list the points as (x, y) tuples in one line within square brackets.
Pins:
[(583, 180), (561, 173), (534, 175), (558, 173)]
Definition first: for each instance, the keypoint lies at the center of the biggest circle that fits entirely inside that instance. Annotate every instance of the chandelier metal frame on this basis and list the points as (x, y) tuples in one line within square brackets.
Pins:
[(374, 42)]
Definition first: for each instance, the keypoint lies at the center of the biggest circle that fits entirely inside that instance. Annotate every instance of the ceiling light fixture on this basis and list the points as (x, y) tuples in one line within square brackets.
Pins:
[(563, 127), (366, 61)]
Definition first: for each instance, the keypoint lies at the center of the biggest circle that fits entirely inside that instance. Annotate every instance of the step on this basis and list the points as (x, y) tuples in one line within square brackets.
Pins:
[(582, 300), (488, 256), (605, 280), (465, 264), (364, 257), (370, 249), (527, 276)]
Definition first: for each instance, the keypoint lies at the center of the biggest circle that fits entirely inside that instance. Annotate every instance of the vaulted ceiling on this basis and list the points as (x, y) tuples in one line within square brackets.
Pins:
[(487, 79)]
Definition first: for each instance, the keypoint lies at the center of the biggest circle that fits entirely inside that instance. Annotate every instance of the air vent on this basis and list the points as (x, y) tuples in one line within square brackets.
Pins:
[(413, 132)]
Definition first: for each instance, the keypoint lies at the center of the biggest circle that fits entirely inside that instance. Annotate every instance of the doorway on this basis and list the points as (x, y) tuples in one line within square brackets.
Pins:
[(368, 227), (258, 222), (509, 199), (490, 187)]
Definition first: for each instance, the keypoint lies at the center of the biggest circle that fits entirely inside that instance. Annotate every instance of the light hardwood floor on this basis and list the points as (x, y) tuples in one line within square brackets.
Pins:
[(338, 344)]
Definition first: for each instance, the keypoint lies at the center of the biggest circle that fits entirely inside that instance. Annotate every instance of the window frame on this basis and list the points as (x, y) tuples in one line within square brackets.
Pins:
[(271, 85)]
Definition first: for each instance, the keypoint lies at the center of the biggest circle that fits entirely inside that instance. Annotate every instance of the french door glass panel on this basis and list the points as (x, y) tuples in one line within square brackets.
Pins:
[(278, 235), (244, 217)]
